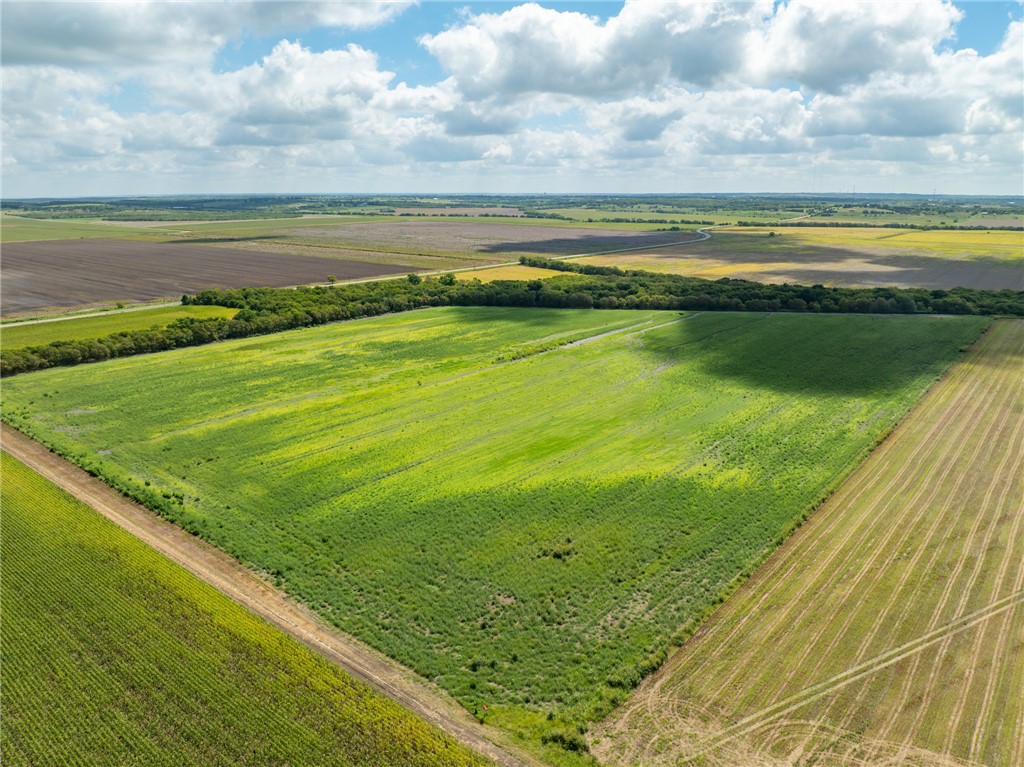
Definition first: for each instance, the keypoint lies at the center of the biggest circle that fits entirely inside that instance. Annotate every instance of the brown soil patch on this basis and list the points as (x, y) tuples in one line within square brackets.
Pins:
[(65, 273)]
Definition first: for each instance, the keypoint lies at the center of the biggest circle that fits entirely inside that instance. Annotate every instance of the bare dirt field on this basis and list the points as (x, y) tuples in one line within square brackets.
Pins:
[(500, 240), (838, 257), (63, 273), (889, 630)]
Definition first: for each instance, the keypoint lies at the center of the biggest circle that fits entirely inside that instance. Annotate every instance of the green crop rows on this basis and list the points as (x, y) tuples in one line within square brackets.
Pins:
[(526, 523), (115, 655)]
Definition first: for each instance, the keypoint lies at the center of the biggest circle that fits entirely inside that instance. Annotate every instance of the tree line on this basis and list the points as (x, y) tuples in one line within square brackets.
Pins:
[(583, 286), (876, 225)]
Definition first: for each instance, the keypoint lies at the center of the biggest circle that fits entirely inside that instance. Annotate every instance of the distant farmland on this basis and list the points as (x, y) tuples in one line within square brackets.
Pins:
[(989, 260), (63, 273), (523, 506), (890, 630), (507, 238)]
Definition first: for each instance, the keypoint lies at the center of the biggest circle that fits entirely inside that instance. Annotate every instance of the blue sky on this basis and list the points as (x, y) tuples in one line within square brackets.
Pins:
[(648, 96)]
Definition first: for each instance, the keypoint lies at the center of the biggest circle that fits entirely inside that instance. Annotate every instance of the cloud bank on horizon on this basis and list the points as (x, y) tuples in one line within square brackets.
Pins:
[(109, 98)]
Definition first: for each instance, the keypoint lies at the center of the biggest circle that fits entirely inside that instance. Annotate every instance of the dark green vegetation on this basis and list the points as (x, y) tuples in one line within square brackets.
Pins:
[(527, 521), (267, 310), (112, 654), (680, 292)]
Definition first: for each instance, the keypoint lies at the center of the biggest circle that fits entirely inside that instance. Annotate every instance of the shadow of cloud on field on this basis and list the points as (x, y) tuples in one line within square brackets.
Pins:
[(217, 240), (586, 244), (521, 577), (845, 355)]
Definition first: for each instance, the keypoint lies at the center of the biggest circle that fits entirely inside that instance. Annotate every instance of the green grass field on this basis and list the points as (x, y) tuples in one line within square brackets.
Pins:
[(18, 336), (529, 530), (115, 655)]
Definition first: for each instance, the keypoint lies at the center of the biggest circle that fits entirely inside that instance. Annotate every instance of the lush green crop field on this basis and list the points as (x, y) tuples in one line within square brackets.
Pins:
[(115, 655), (18, 336), (529, 530)]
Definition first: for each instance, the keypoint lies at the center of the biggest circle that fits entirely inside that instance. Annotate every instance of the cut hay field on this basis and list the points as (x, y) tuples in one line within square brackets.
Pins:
[(115, 655), (20, 335), (895, 618), (524, 506), (984, 259)]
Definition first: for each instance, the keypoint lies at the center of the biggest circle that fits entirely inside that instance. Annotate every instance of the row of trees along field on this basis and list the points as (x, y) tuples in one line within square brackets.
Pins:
[(584, 286), (872, 225)]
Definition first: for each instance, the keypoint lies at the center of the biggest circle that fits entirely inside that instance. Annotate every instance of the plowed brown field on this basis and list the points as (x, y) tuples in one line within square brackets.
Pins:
[(890, 629), (61, 273)]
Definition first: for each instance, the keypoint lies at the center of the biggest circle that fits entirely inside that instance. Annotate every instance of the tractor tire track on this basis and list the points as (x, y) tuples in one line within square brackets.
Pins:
[(794, 702)]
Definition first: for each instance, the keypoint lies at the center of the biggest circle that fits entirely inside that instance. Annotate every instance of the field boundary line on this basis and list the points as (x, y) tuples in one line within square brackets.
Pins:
[(248, 589)]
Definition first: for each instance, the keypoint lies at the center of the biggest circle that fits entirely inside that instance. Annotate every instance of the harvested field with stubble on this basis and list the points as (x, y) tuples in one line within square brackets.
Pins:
[(988, 260), (62, 273), (895, 618)]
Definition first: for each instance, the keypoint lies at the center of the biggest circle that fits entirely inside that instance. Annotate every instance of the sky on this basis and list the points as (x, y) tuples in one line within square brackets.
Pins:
[(648, 96)]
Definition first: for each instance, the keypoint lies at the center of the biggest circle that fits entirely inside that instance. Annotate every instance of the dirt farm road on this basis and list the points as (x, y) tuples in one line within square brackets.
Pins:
[(252, 592)]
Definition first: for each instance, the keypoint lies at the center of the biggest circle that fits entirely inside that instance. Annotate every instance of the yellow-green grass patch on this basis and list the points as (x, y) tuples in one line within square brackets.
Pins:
[(969, 244), (516, 272)]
